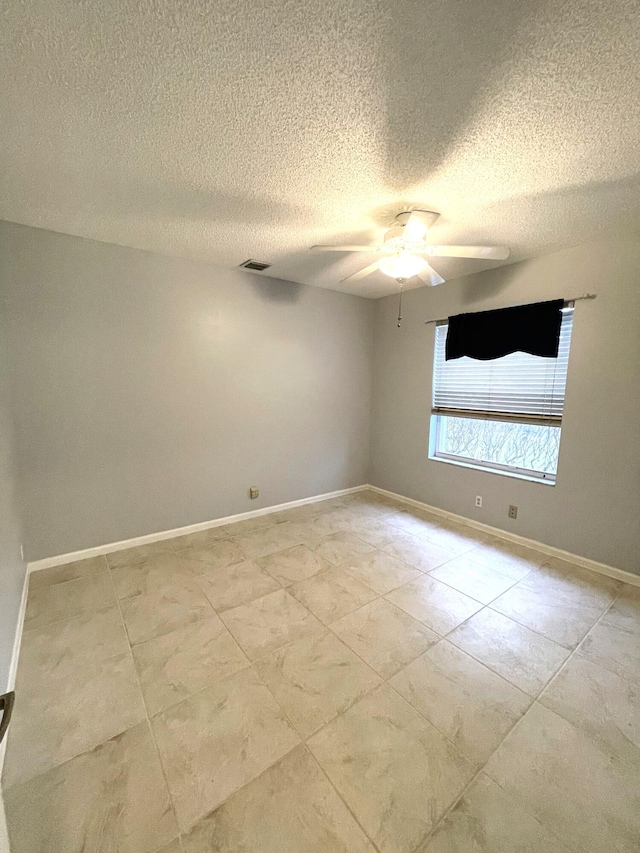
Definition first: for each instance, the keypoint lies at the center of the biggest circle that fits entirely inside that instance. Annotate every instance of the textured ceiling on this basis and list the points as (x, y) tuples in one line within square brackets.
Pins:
[(239, 129)]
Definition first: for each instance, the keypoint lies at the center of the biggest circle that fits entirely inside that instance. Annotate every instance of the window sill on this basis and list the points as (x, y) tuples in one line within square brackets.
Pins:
[(487, 470)]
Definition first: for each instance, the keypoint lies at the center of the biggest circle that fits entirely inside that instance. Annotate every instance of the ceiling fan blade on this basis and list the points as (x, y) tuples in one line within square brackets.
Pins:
[(344, 249), (495, 253), (414, 229), (362, 273), (430, 277)]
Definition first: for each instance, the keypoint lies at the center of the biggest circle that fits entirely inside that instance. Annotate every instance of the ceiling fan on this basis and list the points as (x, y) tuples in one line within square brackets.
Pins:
[(404, 250)]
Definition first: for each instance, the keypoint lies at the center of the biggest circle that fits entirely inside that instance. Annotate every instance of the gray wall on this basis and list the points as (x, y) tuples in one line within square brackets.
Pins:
[(594, 509), (12, 569), (151, 392)]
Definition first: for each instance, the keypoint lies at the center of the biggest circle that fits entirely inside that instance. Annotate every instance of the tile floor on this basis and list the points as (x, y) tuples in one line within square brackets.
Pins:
[(344, 677)]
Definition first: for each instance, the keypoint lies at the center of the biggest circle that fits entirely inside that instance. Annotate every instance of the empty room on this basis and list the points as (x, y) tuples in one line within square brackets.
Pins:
[(319, 426)]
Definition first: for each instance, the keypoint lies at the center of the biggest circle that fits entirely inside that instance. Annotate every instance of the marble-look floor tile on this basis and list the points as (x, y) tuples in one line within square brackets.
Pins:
[(562, 616), (384, 636), (213, 743), (456, 537), (205, 558), (473, 579), (467, 702), (523, 657), (511, 559), (487, 820), (63, 717), (68, 599), (58, 649), (597, 700), (150, 575), (172, 847), (396, 772), (585, 794), (341, 546), (419, 553), (376, 532), (67, 572), (237, 584), (436, 605), (198, 539), (614, 643), (171, 607), (249, 525), (332, 594), (130, 556), (269, 622), (261, 543), (294, 564), (179, 664), (290, 808), (310, 528), (380, 571), (416, 522), (315, 679), (113, 798)]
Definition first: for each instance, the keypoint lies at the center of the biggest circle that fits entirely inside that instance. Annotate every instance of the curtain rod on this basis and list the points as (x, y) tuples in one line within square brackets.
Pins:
[(567, 302)]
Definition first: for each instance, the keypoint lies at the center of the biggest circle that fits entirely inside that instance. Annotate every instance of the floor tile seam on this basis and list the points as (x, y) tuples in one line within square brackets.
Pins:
[(524, 803), (220, 610), (68, 619), (446, 636), (38, 572), (367, 604), (582, 656), (223, 538), (529, 628), (305, 738), (264, 568), (485, 664), (149, 725), (171, 630), (168, 552), (493, 569), (151, 591), (341, 798), (539, 633), (422, 715), (457, 551), (483, 603), (412, 565), (482, 769), (420, 845)]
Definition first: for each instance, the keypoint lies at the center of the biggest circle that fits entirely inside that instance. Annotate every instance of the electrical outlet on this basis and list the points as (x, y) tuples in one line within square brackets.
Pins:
[(254, 491), (478, 500), (513, 511)]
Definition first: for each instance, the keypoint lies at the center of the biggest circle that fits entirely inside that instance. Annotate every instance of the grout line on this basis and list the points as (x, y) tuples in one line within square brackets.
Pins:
[(326, 627), (148, 719)]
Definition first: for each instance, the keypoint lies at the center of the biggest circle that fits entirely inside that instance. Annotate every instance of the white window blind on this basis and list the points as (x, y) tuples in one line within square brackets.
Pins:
[(516, 387)]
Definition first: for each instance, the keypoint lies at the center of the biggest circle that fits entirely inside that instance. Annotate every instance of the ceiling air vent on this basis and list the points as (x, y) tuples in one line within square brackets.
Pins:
[(257, 266)]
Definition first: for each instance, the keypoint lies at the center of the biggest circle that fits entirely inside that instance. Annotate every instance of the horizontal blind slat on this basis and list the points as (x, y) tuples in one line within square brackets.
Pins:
[(516, 384)]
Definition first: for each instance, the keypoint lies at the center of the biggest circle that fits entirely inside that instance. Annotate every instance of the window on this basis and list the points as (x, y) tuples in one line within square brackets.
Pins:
[(502, 415)]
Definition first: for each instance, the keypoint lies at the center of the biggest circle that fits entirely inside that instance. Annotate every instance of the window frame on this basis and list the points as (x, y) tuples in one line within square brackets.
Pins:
[(480, 464)]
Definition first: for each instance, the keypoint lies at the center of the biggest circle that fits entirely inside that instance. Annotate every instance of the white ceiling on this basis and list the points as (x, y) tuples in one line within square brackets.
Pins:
[(231, 129)]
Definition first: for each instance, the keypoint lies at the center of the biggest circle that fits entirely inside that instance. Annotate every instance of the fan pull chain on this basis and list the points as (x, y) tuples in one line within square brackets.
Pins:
[(400, 306)]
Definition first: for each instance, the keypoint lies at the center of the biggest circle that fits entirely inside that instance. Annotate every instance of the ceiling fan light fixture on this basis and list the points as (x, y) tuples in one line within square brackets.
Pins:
[(402, 265)]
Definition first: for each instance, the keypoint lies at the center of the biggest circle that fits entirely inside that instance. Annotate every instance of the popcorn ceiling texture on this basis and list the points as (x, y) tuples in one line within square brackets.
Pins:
[(233, 129)]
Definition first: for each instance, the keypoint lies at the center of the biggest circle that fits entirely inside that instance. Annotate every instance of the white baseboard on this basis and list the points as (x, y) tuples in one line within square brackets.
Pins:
[(15, 654), (98, 550), (549, 550)]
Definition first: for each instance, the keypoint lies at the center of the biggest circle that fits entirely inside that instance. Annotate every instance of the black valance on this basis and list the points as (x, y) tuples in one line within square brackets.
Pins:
[(485, 335)]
